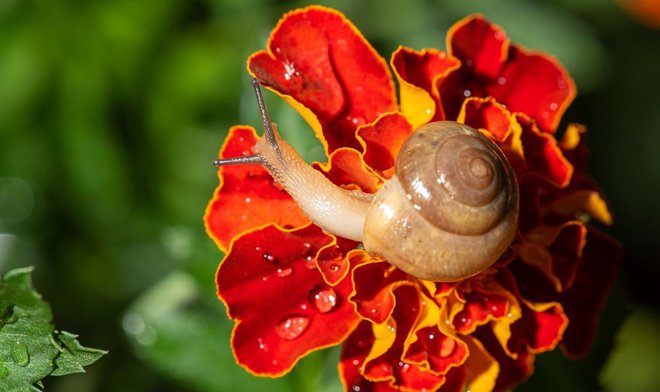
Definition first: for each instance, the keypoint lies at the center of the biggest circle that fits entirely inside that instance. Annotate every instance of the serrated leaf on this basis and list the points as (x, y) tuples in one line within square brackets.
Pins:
[(73, 356), (25, 348), (29, 350)]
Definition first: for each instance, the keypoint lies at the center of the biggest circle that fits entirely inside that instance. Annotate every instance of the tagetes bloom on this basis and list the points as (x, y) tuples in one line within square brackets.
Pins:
[(293, 288)]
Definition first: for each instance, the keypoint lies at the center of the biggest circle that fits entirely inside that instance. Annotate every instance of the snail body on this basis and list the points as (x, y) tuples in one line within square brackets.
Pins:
[(449, 212)]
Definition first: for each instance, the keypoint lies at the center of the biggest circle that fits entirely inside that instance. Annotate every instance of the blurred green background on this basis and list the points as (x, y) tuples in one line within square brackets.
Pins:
[(111, 111)]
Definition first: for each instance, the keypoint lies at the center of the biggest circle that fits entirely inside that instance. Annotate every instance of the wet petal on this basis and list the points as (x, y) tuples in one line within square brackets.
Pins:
[(542, 155), (354, 352), (418, 73), (275, 299), (346, 168), (482, 304), (247, 196), (336, 259), (384, 361), (487, 115), (481, 46), (318, 60), (535, 84), (382, 141), (374, 284)]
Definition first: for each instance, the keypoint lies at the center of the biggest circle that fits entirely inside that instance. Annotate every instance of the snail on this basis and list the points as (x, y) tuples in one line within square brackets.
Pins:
[(448, 213)]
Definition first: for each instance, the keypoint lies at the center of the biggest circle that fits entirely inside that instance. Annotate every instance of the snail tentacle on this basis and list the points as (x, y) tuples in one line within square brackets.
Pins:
[(337, 211)]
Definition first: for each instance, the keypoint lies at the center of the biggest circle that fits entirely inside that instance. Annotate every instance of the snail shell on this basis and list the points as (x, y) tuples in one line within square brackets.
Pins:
[(452, 208), (449, 213)]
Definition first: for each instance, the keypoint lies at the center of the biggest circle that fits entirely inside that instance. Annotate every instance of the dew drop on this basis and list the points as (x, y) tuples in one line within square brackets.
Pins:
[(291, 327), (270, 258), (501, 80), (324, 299), (554, 106), (356, 388), (467, 93), (4, 372), (248, 200), (310, 263), (284, 272), (20, 355), (356, 362), (334, 267), (262, 345)]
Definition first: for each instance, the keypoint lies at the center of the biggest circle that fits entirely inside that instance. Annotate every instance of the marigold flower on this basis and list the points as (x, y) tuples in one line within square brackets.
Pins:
[(292, 288)]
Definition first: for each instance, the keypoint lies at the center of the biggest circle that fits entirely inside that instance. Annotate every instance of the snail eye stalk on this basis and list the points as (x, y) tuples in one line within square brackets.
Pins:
[(269, 134)]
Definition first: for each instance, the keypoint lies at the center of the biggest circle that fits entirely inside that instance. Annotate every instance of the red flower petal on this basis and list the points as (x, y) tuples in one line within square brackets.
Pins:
[(321, 61), (382, 141), (481, 306), (480, 45), (418, 73), (346, 168), (543, 156), (486, 114), (512, 370), (388, 364), (283, 309), (374, 284), (354, 352), (594, 281), (556, 251), (534, 84), (247, 197), (439, 351), (334, 260)]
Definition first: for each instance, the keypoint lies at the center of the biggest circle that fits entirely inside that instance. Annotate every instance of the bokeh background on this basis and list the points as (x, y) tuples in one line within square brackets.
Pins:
[(111, 111)]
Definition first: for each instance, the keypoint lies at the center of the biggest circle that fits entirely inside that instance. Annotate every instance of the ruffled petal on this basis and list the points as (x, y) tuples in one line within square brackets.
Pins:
[(487, 115), (336, 259), (511, 370), (556, 251), (283, 308), (542, 155), (418, 73), (586, 298), (319, 61), (535, 84), (346, 168), (480, 45), (382, 141), (247, 196), (374, 284), (384, 361)]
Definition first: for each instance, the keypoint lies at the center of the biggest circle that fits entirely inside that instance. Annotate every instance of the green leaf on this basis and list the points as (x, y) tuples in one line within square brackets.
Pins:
[(73, 356), (29, 348)]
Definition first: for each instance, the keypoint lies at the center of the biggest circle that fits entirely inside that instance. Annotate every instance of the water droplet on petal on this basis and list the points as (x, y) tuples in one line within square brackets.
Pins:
[(501, 81), (323, 298), (262, 345), (467, 93), (284, 272), (334, 267), (356, 388), (554, 106), (19, 354), (291, 327), (4, 372), (310, 263), (356, 362), (270, 258)]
